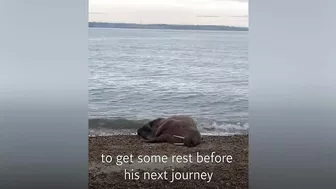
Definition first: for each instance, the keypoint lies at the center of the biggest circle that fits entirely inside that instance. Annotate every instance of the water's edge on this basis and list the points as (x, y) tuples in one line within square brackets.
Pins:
[(122, 126)]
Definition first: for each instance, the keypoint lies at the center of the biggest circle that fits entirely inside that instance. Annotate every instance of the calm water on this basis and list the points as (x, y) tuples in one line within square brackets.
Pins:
[(136, 75)]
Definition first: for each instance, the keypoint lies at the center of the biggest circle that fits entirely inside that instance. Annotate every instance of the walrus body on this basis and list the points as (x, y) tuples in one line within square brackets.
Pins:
[(180, 130)]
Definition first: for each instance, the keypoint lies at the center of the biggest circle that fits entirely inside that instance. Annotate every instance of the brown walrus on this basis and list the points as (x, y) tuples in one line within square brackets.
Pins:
[(180, 130)]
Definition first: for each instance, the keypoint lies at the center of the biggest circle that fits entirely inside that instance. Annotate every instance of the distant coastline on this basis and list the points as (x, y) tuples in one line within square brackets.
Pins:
[(165, 26)]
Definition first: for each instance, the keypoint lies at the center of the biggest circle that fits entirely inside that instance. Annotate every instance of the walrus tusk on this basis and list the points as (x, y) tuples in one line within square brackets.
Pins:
[(179, 144), (181, 137)]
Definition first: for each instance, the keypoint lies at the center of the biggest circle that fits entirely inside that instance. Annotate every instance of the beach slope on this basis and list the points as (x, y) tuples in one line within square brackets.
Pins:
[(223, 175)]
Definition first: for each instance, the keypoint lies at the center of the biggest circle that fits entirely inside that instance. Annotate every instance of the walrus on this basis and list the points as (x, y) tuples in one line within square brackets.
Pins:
[(180, 130)]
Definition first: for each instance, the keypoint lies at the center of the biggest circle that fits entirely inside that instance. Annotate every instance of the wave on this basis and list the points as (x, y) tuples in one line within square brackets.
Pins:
[(116, 126)]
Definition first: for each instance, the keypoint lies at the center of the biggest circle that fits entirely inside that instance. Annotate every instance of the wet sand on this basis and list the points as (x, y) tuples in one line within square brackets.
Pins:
[(224, 175)]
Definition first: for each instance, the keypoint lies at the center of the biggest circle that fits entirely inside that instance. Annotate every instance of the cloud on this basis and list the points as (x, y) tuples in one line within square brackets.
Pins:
[(98, 13), (208, 16), (243, 16), (216, 12), (242, 1)]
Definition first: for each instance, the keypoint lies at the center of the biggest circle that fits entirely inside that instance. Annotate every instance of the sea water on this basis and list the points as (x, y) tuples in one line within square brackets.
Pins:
[(140, 74)]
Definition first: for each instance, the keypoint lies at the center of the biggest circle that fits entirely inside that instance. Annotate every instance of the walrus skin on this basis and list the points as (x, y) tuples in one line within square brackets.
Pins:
[(180, 130)]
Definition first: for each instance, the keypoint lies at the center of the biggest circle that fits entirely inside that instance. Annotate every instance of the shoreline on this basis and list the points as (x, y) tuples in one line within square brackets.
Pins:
[(200, 175), (127, 133)]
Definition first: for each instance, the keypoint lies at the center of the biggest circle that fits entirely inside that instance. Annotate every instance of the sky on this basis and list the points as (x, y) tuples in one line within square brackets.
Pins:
[(193, 12)]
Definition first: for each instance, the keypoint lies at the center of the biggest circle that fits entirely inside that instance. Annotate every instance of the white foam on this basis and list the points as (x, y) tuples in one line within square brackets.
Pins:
[(213, 129), (229, 126)]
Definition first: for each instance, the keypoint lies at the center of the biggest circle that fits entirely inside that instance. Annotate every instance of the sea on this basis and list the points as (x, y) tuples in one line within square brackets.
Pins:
[(136, 75)]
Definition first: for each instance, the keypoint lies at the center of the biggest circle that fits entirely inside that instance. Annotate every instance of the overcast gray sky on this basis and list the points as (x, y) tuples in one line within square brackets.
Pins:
[(202, 12)]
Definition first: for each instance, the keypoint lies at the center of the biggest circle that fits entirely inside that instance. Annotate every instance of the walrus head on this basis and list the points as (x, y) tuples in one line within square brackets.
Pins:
[(147, 131)]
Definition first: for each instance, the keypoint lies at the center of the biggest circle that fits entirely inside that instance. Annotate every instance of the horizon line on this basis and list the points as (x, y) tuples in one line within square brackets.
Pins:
[(169, 24)]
